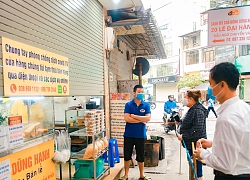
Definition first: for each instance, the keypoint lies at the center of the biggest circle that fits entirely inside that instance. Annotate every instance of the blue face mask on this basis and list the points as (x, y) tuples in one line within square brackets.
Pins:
[(139, 96)]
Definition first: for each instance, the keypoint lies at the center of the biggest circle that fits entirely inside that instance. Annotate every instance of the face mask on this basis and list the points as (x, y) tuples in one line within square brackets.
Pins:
[(213, 88), (139, 96), (184, 102), (171, 99)]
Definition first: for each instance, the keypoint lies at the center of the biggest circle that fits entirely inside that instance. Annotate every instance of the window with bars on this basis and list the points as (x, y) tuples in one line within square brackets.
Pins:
[(169, 49), (192, 57), (208, 55), (245, 50)]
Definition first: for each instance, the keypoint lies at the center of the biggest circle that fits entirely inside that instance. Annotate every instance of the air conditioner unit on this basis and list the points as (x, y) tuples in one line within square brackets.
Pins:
[(109, 38)]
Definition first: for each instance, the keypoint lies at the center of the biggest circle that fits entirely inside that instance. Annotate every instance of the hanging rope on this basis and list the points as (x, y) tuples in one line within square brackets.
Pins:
[(190, 160)]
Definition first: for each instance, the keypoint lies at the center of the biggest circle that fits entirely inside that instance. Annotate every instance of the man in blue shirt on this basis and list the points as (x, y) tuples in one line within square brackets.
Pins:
[(136, 114), (170, 104)]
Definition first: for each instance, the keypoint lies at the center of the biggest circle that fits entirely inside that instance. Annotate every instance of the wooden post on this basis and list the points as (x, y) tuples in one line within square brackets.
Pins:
[(140, 73), (194, 160)]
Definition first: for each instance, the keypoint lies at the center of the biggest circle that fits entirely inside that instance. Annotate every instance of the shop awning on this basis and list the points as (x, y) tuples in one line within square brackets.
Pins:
[(137, 27), (202, 87)]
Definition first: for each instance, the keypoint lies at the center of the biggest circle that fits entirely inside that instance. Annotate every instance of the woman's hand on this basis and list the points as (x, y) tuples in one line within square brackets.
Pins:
[(180, 137), (204, 143)]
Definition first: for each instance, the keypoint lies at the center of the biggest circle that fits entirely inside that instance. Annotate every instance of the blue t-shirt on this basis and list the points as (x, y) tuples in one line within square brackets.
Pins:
[(136, 130)]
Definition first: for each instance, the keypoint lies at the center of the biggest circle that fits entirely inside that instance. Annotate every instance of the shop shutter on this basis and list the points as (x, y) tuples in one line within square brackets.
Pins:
[(69, 28)]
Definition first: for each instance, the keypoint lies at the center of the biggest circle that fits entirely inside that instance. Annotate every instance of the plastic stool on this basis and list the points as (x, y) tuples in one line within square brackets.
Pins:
[(105, 157), (113, 155)]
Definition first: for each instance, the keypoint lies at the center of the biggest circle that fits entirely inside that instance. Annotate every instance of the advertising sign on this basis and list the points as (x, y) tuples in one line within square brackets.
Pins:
[(5, 170), (4, 145), (229, 26), (166, 79), (15, 131), (224, 54), (32, 163), (32, 71), (209, 65)]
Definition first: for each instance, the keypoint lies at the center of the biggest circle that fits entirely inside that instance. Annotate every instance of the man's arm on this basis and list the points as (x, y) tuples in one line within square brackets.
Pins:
[(129, 119), (225, 148), (145, 118), (166, 108)]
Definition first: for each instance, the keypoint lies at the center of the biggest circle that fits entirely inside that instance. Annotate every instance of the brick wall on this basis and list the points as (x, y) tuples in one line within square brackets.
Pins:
[(119, 66)]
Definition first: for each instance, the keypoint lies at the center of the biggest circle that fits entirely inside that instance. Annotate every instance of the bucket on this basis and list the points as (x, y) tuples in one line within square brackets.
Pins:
[(151, 153)]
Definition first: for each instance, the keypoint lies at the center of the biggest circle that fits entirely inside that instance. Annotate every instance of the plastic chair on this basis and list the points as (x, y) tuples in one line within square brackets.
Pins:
[(113, 153)]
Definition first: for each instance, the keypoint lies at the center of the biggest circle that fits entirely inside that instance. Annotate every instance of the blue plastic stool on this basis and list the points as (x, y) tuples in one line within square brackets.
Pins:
[(113, 153), (105, 157)]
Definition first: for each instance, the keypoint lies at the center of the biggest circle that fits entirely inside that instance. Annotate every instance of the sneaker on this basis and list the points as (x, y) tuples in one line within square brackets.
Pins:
[(145, 178)]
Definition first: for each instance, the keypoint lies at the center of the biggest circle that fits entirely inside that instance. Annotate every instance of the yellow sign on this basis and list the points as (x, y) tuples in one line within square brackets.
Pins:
[(32, 71), (31, 164)]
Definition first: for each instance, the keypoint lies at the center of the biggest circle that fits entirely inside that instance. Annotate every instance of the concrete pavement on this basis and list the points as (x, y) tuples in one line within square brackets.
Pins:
[(175, 165)]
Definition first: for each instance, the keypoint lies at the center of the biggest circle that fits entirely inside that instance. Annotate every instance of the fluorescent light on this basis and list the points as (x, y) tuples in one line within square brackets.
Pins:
[(116, 1), (27, 98)]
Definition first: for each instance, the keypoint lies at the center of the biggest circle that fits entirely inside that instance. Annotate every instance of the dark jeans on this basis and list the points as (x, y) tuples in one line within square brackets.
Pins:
[(211, 108)]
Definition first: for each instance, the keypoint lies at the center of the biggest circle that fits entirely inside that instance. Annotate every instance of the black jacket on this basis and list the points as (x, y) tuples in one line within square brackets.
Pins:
[(193, 125)]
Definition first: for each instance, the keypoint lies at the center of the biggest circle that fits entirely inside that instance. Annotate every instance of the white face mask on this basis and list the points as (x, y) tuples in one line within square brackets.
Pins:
[(184, 101), (213, 88)]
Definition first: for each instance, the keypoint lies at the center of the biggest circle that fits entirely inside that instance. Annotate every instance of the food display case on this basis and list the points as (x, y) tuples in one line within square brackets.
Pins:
[(33, 115), (26, 135)]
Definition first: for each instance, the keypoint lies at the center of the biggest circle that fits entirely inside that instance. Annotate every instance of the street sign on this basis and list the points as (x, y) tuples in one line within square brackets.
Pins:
[(229, 26)]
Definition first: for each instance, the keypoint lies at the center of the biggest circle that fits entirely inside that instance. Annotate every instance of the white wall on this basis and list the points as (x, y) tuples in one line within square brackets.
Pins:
[(192, 67), (246, 90), (163, 90)]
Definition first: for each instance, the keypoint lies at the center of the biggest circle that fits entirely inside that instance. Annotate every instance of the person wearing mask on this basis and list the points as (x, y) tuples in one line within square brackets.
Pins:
[(136, 114), (149, 98), (211, 107), (230, 155), (169, 105), (193, 126)]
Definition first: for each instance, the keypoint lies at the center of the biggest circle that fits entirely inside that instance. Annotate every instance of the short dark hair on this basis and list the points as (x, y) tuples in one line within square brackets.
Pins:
[(137, 86), (227, 72)]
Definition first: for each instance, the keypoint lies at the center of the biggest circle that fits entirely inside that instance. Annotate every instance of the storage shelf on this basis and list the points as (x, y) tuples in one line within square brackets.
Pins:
[(79, 155), (76, 127), (78, 144), (106, 169), (82, 132)]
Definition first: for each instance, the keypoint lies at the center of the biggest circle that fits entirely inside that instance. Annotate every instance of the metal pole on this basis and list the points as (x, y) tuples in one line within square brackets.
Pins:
[(140, 73), (180, 160)]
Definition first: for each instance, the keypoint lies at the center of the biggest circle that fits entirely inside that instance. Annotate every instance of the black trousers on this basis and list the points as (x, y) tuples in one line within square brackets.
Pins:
[(221, 176), (230, 178)]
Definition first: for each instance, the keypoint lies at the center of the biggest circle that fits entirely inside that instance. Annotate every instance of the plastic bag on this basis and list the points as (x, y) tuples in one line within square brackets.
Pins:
[(63, 144)]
